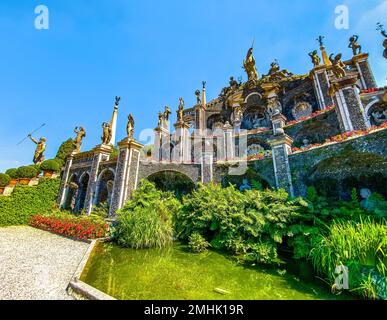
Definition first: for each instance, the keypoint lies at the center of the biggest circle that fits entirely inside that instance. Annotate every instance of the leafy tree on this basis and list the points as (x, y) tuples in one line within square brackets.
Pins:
[(64, 151)]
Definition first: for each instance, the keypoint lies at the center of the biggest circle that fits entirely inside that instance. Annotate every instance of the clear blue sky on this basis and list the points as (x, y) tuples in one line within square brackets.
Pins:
[(150, 53)]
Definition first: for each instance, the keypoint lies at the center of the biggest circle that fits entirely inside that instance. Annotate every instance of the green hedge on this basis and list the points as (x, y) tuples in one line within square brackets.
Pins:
[(12, 173), (26, 201), (4, 180), (50, 165), (27, 172)]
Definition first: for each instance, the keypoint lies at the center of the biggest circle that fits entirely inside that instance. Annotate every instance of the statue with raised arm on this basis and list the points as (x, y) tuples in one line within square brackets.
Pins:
[(39, 151), (130, 127), (315, 58), (338, 66), (81, 133), (249, 66), (354, 45), (106, 133)]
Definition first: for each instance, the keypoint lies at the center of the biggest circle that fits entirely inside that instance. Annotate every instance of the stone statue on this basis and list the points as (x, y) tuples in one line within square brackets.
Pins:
[(238, 114), (180, 114), (167, 113), (249, 66), (106, 133), (161, 118), (233, 83), (338, 66), (315, 58), (354, 45), (130, 127), (275, 72), (81, 133), (198, 98), (384, 34), (39, 151)]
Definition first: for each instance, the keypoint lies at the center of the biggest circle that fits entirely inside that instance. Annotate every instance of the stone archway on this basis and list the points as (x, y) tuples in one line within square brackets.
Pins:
[(83, 184), (169, 180), (71, 193), (104, 187)]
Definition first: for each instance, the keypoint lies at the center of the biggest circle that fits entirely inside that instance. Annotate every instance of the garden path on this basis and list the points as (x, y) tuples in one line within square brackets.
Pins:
[(36, 265)]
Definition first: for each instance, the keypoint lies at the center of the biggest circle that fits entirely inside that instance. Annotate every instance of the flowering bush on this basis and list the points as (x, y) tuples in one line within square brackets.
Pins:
[(80, 228), (259, 156), (314, 114)]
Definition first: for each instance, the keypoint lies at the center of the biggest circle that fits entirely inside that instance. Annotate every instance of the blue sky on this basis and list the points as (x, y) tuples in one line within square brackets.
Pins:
[(150, 53)]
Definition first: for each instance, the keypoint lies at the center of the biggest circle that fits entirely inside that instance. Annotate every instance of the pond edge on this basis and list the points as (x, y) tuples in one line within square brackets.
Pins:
[(80, 290)]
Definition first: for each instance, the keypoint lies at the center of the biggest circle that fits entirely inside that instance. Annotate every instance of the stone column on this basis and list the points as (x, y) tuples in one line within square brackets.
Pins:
[(101, 153), (321, 85), (126, 179), (207, 167), (229, 146), (349, 109), (278, 120), (64, 181), (281, 148), (367, 78), (182, 148)]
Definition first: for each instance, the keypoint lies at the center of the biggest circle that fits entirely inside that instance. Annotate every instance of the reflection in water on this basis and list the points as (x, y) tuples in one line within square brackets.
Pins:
[(176, 274)]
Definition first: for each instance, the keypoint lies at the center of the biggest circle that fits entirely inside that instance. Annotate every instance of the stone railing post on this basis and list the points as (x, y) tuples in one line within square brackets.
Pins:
[(64, 181), (229, 146), (367, 78), (126, 179), (349, 109), (281, 148), (101, 153)]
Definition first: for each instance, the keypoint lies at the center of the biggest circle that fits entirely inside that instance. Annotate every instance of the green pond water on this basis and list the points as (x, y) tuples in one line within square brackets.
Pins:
[(176, 274)]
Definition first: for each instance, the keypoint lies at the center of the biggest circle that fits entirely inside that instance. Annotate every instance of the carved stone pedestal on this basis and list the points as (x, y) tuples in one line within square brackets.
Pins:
[(126, 179)]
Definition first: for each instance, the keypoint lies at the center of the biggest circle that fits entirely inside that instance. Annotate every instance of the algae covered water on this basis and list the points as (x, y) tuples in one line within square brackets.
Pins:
[(176, 274)]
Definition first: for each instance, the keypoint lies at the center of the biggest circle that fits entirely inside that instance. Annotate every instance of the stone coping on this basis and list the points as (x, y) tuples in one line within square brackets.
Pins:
[(81, 290)]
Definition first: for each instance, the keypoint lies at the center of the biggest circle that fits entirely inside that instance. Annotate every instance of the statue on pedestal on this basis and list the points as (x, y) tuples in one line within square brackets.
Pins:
[(161, 119), (338, 66), (130, 127), (249, 66), (106, 133), (81, 133), (167, 113), (354, 45), (40, 147), (198, 98), (180, 113), (315, 58)]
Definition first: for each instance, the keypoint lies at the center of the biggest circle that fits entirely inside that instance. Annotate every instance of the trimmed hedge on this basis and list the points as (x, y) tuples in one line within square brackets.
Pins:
[(27, 172), (4, 180), (26, 201), (50, 165), (12, 173)]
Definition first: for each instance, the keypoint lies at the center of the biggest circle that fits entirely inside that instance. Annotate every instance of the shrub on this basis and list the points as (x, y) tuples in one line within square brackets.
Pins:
[(12, 173), (71, 226), (64, 151), (250, 224), (50, 165), (146, 220), (197, 243), (26, 201), (101, 211), (4, 180), (27, 172)]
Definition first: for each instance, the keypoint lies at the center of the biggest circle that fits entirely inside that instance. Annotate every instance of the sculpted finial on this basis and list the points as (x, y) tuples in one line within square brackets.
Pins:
[(118, 99), (249, 66), (320, 40), (315, 58), (81, 133), (338, 66)]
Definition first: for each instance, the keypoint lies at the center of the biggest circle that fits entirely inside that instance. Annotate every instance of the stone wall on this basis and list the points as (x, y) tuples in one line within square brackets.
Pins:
[(303, 164)]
